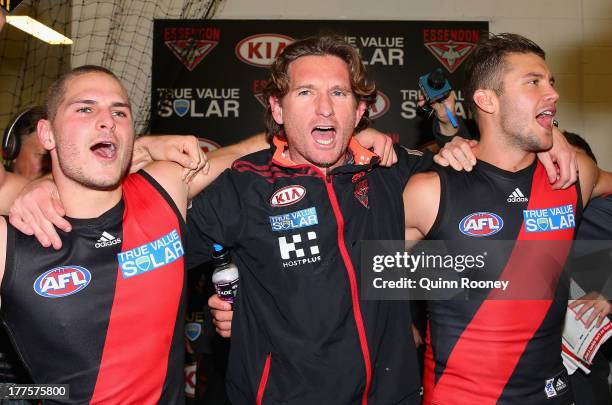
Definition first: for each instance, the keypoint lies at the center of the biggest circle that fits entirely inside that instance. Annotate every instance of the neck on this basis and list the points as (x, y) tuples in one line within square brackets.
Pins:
[(83, 202), (495, 149)]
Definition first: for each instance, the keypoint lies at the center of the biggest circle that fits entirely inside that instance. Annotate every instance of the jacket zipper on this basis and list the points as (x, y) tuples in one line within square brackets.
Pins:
[(353, 284)]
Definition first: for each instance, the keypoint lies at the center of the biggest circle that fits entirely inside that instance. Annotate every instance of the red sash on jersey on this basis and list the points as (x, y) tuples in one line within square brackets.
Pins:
[(145, 307), (487, 352)]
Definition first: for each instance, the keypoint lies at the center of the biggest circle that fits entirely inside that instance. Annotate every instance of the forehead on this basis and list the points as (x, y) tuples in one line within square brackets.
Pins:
[(525, 63), (318, 68), (94, 85)]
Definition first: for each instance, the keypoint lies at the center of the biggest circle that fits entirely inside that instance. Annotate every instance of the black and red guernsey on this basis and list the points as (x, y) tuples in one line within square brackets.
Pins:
[(489, 349), (104, 314)]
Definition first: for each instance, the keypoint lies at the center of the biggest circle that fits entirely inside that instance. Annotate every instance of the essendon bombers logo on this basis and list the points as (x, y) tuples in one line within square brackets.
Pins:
[(207, 145), (361, 192), (451, 54), (262, 49), (191, 51), (380, 106)]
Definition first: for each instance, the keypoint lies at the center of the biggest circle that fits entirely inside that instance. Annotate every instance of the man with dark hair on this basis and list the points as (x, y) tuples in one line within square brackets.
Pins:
[(108, 308), (21, 151), (492, 348)]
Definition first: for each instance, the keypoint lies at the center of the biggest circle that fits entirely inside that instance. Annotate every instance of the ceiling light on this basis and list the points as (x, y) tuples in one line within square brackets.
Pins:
[(37, 29)]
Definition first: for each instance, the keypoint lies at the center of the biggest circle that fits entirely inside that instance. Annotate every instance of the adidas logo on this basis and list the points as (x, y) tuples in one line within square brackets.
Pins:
[(517, 196), (106, 240), (560, 386)]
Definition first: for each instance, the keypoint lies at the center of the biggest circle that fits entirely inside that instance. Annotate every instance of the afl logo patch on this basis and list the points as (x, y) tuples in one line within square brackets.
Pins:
[(287, 196), (479, 224), (62, 281)]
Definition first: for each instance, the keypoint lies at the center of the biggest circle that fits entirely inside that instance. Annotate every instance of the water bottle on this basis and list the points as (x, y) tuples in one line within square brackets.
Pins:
[(225, 274)]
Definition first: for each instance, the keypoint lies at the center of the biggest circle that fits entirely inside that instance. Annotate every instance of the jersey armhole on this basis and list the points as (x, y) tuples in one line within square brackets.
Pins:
[(442, 204), (167, 198), (579, 205)]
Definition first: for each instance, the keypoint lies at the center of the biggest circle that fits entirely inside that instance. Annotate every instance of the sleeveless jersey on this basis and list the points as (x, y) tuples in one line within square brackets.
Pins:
[(105, 314), (489, 350)]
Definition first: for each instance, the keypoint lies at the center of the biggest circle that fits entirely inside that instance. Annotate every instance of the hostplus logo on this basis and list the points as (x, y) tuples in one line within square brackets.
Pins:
[(107, 240), (299, 249), (517, 196)]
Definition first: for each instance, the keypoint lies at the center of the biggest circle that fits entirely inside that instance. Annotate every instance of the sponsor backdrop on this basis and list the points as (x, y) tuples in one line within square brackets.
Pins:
[(208, 75)]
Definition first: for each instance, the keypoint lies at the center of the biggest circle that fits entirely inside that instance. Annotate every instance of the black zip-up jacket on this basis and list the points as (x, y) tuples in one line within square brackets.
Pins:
[(300, 332)]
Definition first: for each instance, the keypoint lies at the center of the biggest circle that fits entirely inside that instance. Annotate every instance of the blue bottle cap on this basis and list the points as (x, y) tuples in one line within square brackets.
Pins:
[(217, 247)]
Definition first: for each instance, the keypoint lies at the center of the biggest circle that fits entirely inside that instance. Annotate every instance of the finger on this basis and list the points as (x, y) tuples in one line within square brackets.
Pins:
[(583, 310), (575, 303), (573, 173), (551, 169), (16, 219), (39, 234), (600, 319), (463, 163), (223, 333), (18, 223), (57, 204), (440, 160), (466, 149), (49, 230), (216, 303), (50, 212), (591, 318)]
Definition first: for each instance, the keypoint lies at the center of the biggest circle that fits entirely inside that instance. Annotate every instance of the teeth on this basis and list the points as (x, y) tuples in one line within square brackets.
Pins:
[(323, 142), (324, 128), (546, 113)]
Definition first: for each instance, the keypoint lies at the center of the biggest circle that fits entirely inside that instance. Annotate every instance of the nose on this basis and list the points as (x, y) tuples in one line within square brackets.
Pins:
[(106, 121), (552, 94), (324, 105)]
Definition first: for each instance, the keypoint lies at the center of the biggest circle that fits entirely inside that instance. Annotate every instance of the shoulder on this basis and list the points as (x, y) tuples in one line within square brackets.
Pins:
[(262, 157)]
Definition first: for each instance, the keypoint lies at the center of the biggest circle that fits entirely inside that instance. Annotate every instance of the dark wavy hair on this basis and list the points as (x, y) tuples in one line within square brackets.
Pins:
[(321, 45), (484, 69)]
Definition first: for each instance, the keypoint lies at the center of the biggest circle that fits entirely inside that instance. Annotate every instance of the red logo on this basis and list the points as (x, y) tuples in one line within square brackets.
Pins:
[(381, 106), (207, 145), (287, 196), (451, 54), (361, 192), (191, 51), (260, 50), (258, 86)]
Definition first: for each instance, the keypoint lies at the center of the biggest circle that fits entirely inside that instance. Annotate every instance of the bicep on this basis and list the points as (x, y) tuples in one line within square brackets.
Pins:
[(421, 201)]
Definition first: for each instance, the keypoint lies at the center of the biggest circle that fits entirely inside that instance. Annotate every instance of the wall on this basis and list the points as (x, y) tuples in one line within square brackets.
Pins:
[(576, 35)]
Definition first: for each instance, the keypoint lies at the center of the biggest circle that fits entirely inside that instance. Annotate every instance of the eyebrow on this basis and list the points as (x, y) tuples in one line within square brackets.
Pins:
[(94, 102), (539, 76)]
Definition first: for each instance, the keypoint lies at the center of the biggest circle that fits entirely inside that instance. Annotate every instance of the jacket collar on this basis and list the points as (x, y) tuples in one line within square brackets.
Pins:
[(357, 155)]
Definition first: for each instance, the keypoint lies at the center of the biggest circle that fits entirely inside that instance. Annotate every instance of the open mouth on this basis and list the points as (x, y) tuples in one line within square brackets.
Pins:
[(324, 135), (104, 150), (545, 118)]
